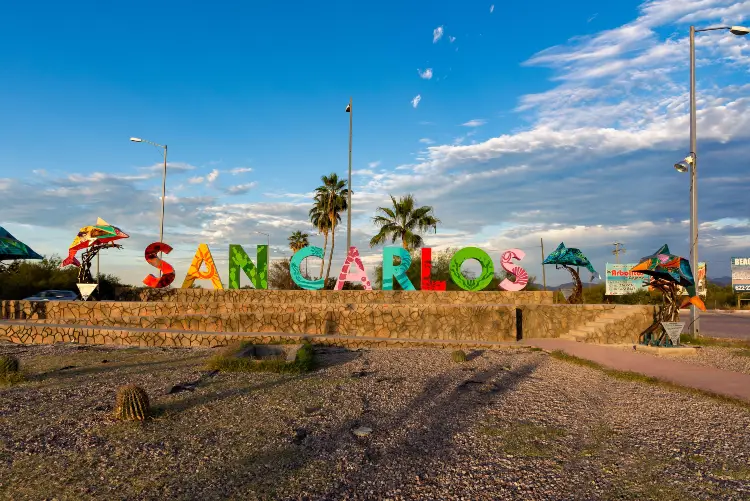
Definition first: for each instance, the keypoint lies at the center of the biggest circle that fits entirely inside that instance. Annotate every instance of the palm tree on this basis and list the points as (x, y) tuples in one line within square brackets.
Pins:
[(319, 218), (330, 199), (404, 221), (298, 240)]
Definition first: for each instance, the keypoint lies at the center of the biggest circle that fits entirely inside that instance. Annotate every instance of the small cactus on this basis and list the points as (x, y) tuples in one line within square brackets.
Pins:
[(132, 403), (8, 364), (458, 356)]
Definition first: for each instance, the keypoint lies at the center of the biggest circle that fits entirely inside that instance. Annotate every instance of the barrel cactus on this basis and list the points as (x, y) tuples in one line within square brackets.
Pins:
[(8, 364), (459, 356), (132, 403)]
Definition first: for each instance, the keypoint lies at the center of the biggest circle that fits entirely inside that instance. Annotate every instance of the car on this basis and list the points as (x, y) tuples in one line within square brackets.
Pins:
[(53, 296)]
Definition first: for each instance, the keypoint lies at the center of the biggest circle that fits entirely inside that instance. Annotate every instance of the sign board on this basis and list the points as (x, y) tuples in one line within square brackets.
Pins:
[(700, 279), (674, 329), (621, 281), (567, 293), (86, 290), (740, 274)]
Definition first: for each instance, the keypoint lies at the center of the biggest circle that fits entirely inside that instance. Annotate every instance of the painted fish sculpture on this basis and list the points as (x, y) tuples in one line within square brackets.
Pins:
[(89, 236), (663, 265), (12, 248), (570, 256)]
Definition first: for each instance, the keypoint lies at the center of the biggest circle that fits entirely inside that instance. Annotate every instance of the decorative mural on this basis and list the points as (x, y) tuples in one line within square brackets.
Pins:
[(202, 256), (357, 276), (564, 257)]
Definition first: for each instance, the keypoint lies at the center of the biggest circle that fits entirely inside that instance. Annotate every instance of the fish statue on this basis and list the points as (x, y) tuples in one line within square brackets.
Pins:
[(570, 256), (89, 236), (663, 265)]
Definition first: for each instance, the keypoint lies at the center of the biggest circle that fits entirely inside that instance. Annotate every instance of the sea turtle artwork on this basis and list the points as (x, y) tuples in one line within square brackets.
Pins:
[(94, 238), (669, 272), (12, 249), (571, 258)]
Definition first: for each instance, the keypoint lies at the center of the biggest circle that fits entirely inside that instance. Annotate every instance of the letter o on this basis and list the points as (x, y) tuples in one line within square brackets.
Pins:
[(488, 269)]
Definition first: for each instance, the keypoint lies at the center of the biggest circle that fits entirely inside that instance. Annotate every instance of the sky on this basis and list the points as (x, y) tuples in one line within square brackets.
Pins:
[(517, 122)]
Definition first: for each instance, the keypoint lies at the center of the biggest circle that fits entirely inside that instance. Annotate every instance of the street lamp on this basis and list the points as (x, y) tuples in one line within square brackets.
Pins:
[(163, 182), (691, 164), (349, 186)]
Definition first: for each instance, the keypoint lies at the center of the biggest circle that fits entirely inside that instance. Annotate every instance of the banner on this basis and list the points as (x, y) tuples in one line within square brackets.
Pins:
[(740, 274), (620, 281)]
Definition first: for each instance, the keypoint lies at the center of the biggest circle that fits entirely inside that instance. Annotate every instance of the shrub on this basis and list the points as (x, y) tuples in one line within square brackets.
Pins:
[(132, 403), (229, 361), (8, 364), (459, 356)]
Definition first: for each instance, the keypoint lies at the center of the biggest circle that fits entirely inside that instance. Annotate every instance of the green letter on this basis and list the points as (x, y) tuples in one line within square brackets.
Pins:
[(488, 269), (238, 259), (399, 272), (294, 268)]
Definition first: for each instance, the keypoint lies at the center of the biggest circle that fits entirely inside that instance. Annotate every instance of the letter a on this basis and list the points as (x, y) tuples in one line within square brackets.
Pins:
[(359, 276), (202, 255)]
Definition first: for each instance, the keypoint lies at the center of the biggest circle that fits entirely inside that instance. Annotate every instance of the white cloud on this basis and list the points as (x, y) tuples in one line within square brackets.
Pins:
[(477, 122), (452, 39), (241, 189), (426, 74), (416, 100), (241, 170), (212, 176), (172, 167), (196, 180), (437, 34), (492, 8), (373, 165), (426, 140)]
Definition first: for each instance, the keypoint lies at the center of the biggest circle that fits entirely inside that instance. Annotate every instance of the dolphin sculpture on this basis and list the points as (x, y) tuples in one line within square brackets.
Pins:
[(90, 236)]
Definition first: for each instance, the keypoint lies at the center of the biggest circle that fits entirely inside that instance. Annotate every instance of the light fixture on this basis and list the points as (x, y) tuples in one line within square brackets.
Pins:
[(136, 139), (740, 31), (685, 165)]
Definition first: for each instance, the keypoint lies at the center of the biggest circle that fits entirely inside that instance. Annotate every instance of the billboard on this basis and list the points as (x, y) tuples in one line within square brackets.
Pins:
[(700, 278), (620, 281), (740, 274)]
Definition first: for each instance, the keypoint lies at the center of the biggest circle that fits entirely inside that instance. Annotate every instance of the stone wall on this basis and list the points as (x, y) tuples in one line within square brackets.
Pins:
[(194, 296)]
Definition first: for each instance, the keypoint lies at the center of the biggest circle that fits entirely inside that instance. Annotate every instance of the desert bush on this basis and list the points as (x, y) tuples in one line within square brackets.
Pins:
[(230, 361), (459, 356)]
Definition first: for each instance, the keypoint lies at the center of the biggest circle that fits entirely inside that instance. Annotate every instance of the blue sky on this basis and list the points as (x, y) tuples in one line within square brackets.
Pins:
[(539, 120)]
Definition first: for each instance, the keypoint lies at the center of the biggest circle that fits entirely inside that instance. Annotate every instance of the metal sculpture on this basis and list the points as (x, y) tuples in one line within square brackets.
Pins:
[(568, 257), (669, 272), (12, 249), (93, 239)]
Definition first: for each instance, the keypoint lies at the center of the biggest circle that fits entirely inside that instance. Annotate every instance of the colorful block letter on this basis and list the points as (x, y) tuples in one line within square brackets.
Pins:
[(202, 255), (399, 272), (353, 276), (239, 261), (522, 277), (296, 262), (488, 269), (167, 271), (427, 283)]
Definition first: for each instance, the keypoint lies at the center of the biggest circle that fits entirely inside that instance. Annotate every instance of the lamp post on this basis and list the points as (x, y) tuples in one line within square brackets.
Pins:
[(163, 187), (691, 163), (349, 185)]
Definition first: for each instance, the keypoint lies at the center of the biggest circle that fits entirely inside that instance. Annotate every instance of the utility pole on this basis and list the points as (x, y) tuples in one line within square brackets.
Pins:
[(618, 249), (544, 273)]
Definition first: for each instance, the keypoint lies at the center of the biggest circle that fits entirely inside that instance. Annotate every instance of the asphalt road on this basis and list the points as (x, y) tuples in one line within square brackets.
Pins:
[(732, 325)]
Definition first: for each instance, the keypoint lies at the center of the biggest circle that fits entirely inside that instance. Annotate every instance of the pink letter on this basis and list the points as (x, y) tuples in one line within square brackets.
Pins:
[(522, 278), (353, 276)]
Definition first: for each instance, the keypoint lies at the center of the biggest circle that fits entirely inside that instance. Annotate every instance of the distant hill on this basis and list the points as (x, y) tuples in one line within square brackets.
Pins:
[(571, 285), (721, 281)]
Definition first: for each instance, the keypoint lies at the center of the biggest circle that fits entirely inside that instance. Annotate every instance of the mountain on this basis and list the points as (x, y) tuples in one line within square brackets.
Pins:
[(721, 281)]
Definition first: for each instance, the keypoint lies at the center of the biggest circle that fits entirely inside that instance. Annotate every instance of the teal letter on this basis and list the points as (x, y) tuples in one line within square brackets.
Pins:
[(294, 268), (488, 269), (390, 271), (238, 260)]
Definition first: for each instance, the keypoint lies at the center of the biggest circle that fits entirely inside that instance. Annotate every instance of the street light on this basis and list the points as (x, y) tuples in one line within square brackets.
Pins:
[(691, 164), (349, 186), (163, 187)]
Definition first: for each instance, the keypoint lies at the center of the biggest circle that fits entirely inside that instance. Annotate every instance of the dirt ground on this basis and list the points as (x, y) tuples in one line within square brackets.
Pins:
[(506, 424)]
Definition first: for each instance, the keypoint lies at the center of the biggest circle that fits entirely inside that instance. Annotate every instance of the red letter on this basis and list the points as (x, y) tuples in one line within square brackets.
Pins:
[(427, 283), (152, 256)]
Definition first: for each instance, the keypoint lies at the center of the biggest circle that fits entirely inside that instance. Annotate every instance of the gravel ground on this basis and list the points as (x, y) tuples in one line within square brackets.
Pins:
[(511, 424), (730, 359)]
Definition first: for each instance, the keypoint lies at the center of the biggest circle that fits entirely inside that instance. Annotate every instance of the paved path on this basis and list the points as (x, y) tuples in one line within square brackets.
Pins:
[(731, 384), (719, 324)]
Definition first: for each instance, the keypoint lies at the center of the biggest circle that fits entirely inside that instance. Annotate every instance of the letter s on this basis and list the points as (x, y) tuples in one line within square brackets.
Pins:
[(152, 257)]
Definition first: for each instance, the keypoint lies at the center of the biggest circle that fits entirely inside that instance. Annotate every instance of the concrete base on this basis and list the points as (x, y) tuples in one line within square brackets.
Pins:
[(661, 351)]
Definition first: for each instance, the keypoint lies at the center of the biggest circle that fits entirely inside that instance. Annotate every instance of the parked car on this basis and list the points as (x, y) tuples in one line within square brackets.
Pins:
[(53, 296)]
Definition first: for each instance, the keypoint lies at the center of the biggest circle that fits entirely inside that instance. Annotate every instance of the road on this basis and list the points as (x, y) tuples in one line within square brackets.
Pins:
[(732, 325)]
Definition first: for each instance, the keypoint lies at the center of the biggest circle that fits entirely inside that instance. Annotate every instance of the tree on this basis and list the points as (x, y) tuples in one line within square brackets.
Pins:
[(330, 199), (319, 219), (298, 240), (404, 221)]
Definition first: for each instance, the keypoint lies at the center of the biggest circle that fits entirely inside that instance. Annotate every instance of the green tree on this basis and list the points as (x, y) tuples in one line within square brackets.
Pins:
[(331, 200), (319, 218), (298, 240), (404, 221)]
